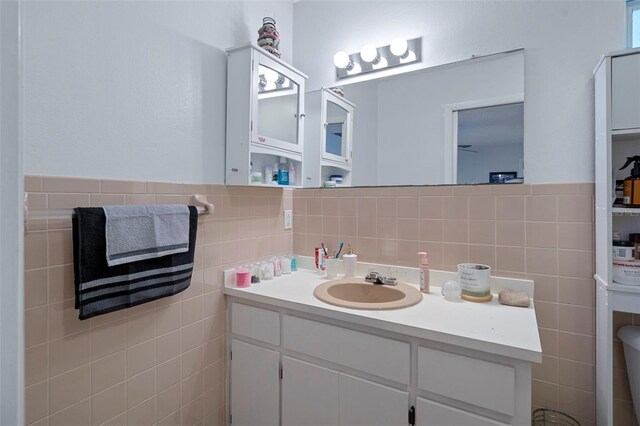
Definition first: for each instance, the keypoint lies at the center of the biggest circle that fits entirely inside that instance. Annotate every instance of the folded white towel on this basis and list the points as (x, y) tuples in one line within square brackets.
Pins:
[(136, 233)]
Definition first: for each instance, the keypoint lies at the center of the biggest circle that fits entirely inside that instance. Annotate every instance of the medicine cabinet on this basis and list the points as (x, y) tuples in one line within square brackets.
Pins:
[(329, 138), (265, 118)]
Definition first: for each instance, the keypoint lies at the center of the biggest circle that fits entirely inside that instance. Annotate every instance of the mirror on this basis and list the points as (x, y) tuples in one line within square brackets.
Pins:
[(490, 144), (336, 128), (277, 106), (448, 124)]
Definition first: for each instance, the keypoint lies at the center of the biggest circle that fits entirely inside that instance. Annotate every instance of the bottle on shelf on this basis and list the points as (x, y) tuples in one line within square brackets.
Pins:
[(632, 183), (292, 173), (283, 173)]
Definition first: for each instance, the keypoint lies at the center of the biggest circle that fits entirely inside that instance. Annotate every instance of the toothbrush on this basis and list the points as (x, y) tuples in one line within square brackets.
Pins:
[(340, 244), (324, 248), (350, 251)]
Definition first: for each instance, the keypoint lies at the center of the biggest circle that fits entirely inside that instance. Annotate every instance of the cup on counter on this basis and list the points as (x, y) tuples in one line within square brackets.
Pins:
[(243, 277), (332, 264)]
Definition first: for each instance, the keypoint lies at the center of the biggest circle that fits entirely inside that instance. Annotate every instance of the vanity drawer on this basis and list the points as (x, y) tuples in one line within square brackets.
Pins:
[(481, 383), (256, 323), (434, 413), (390, 359)]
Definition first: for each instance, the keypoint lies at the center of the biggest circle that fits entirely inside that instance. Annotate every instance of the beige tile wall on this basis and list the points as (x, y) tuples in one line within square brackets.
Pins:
[(159, 363), (542, 232)]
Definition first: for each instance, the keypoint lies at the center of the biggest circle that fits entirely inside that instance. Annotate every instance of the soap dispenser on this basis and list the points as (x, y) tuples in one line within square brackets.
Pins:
[(424, 272), (632, 183)]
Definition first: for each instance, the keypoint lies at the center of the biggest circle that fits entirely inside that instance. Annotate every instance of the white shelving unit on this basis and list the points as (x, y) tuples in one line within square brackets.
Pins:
[(617, 132), (328, 138), (265, 115)]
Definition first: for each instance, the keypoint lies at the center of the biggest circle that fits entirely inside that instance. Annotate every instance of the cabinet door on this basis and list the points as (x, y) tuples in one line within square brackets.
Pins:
[(625, 92), (255, 385), (337, 119), (309, 394), (430, 413), (277, 106), (365, 403)]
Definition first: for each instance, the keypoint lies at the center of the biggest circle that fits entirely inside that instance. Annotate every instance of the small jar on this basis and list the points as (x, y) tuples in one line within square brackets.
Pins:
[(623, 250), (266, 270), (255, 273), (285, 261), (243, 277), (277, 266)]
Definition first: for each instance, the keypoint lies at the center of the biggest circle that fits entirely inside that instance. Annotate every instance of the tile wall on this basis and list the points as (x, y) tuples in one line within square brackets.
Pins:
[(541, 232), (159, 363), (163, 362)]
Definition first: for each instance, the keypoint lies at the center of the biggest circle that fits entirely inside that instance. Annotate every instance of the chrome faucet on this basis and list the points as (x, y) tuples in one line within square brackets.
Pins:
[(376, 278)]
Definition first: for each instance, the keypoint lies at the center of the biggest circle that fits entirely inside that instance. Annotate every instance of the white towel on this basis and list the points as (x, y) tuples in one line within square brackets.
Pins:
[(136, 233)]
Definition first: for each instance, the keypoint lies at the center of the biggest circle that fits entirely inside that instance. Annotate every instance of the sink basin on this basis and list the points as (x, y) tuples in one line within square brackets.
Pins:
[(351, 293)]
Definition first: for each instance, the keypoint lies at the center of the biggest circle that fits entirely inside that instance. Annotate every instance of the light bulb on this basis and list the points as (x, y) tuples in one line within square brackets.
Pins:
[(355, 69), (270, 75), (410, 56), (369, 53), (271, 85), (382, 63), (341, 59), (399, 46)]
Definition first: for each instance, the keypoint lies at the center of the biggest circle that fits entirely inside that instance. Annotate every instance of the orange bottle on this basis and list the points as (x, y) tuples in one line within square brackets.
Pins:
[(631, 196)]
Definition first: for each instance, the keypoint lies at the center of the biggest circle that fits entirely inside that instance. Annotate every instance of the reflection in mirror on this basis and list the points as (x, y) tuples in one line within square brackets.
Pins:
[(490, 143), (403, 129), (277, 106), (336, 123)]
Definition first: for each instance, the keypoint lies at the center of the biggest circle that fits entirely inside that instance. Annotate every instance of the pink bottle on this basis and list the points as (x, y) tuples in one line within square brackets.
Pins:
[(424, 272)]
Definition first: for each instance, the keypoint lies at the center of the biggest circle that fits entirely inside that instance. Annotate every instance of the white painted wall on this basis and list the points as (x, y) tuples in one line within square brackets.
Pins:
[(11, 220), (134, 90), (563, 41)]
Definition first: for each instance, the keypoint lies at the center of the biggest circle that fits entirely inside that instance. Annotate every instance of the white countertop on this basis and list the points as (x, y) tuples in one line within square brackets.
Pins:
[(488, 327)]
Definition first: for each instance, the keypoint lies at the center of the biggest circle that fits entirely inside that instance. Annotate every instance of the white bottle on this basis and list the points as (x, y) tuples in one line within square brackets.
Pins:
[(424, 272), (292, 174)]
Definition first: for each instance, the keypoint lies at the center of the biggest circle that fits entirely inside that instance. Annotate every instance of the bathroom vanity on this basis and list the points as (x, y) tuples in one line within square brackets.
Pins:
[(294, 360)]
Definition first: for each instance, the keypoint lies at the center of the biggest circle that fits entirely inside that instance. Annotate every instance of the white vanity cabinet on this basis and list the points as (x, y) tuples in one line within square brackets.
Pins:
[(328, 137), (256, 385), (336, 373), (265, 115)]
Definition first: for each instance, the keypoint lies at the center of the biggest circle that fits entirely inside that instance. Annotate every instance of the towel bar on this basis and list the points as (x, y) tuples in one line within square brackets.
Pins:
[(200, 201)]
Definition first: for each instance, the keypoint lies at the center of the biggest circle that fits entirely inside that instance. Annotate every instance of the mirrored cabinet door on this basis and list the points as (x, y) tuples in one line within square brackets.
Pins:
[(337, 122), (328, 139), (278, 106)]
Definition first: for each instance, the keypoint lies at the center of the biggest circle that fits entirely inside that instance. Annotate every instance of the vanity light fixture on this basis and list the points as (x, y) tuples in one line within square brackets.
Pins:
[(371, 58)]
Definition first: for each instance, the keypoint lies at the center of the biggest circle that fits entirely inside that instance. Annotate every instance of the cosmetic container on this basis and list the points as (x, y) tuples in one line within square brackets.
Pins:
[(243, 277)]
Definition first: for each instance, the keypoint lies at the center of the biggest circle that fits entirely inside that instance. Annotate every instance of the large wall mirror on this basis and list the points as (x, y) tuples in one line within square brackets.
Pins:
[(458, 123)]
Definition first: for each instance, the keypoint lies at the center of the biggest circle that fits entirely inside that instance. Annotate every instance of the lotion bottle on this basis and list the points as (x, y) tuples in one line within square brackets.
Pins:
[(424, 272)]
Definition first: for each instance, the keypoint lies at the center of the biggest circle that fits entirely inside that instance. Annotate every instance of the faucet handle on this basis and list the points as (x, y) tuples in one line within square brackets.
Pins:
[(372, 277)]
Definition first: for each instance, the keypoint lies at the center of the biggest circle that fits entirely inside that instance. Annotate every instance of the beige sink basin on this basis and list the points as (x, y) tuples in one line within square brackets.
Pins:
[(355, 293)]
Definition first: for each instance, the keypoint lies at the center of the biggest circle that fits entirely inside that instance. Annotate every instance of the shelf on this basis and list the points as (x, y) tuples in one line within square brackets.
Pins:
[(624, 211), (622, 135), (268, 185)]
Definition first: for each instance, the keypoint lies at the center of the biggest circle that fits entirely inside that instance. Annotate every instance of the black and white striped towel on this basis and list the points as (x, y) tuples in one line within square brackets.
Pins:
[(101, 289)]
